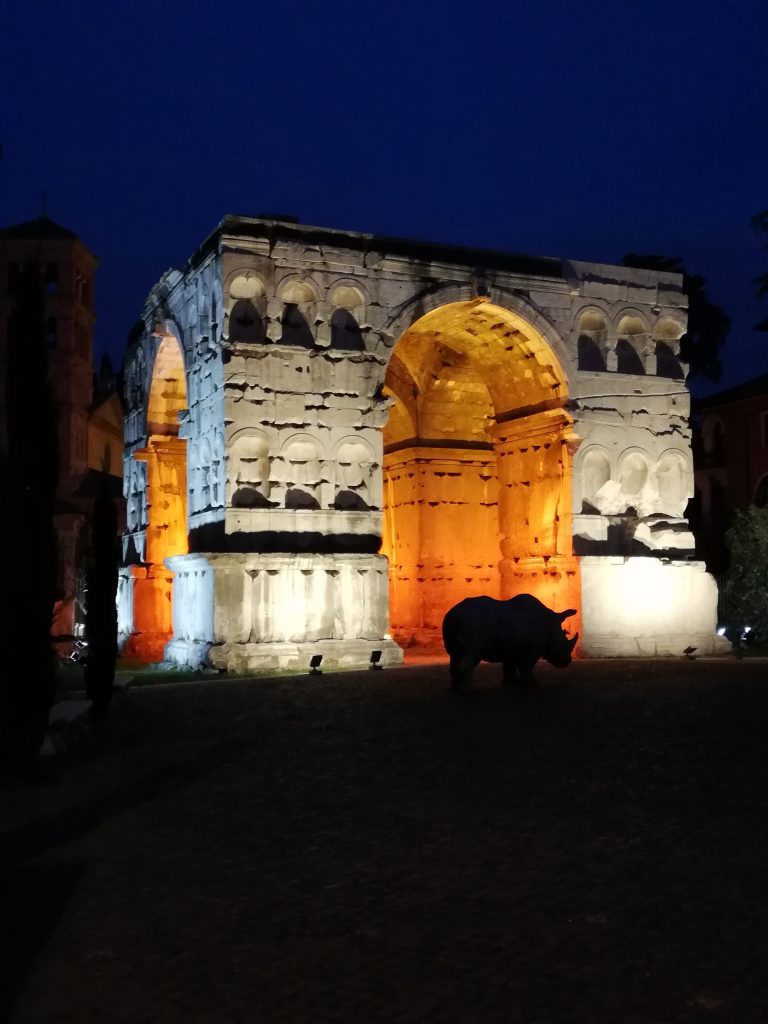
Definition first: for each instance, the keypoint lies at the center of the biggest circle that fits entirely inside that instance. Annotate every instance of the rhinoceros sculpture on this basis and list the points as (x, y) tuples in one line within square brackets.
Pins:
[(516, 632)]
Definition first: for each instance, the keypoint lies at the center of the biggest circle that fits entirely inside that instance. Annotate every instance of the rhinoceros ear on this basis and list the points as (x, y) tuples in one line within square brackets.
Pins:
[(565, 615)]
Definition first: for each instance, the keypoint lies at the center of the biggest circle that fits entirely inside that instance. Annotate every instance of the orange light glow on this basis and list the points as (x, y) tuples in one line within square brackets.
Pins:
[(166, 459), (477, 470)]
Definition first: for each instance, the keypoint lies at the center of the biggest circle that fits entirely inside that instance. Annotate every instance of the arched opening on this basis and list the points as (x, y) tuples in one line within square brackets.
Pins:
[(166, 467), (477, 467)]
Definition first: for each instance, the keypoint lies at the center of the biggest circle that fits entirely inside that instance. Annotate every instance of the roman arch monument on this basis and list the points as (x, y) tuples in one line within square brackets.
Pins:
[(332, 437)]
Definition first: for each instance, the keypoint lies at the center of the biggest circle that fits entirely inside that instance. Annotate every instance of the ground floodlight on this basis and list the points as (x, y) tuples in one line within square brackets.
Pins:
[(376, 660), (314, 665)]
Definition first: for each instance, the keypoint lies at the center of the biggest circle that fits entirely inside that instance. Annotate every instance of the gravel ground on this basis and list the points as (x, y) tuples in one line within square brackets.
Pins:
[(370, 847)]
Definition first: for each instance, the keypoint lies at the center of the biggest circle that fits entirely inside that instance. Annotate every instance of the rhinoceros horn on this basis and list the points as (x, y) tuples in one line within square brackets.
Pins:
[(566, 615)]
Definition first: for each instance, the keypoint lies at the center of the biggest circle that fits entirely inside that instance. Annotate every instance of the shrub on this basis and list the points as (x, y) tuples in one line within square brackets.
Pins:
[(747, 580)]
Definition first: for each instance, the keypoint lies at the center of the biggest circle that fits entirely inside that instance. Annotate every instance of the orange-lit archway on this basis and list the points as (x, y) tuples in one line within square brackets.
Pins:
[(166, 461), (477, 467)]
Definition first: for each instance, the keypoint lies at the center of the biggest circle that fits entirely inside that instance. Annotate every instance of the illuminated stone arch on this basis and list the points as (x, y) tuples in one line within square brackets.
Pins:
[(516, 308), (479, 499)]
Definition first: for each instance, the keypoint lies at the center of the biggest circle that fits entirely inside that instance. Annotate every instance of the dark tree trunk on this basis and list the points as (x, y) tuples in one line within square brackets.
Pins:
[(29, 475), (101, 609)]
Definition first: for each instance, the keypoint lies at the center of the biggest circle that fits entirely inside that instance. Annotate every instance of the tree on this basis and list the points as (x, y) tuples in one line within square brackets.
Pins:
[(101, 609), (760, 224), (708, 324), (30, 475), (746, 586)]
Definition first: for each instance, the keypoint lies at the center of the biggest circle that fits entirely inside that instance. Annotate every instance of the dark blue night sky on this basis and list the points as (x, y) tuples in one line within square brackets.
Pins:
[(585, 130)]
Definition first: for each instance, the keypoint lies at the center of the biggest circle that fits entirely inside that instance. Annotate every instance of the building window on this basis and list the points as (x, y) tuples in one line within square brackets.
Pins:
[(51, 279)]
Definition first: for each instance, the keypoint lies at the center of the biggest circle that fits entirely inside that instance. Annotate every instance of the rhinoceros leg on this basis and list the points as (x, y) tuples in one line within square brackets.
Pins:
[(509, 677), (462, 667), (525, 669), (518, 673)]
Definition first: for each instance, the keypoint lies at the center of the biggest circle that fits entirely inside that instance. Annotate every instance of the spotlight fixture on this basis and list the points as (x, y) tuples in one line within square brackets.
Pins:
[(314, 665), (376, 660)]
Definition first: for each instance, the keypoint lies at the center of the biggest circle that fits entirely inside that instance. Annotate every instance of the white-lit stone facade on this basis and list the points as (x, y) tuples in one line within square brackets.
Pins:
[(332, 437)]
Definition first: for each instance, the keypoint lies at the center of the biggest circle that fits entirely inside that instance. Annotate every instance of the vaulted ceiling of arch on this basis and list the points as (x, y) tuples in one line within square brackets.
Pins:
[(510, 357), (168, 390)]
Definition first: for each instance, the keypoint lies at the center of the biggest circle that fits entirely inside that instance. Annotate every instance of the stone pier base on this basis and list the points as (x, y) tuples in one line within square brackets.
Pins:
[(257, 612), (645, 607)]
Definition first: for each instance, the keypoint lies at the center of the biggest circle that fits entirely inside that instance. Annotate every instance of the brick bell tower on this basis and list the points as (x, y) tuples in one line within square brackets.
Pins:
[(67, 268)]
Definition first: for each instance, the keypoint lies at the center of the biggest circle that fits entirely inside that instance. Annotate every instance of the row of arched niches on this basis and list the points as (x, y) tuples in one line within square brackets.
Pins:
[(627, 344), (294, 315)]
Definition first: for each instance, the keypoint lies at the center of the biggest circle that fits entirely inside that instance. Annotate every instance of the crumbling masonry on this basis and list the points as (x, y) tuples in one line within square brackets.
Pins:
[(332, 437)]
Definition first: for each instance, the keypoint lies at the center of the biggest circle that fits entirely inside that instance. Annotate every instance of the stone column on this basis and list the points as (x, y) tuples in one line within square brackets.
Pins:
[(535, 516), (166, 535)]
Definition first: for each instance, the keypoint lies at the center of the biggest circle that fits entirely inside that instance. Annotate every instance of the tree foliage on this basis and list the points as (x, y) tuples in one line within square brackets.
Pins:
[(747, 581), (760, 224), (708, 324)]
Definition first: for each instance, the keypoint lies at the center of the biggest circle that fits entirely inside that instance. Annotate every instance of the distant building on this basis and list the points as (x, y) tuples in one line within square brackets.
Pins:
[(731, 463), (89, 433)]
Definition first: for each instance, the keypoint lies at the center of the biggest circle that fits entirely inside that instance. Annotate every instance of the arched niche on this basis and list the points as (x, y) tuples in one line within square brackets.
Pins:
[(592, 339), (301, 459), (478, 498), (633, 475), (630, 347), (249, 474), (667, 363), (353, 486), (298, 314), (666, 335), (674, 478), (594, 471), (246, 309), (348, 305)]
